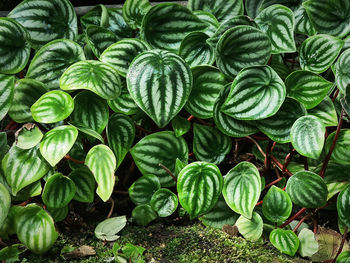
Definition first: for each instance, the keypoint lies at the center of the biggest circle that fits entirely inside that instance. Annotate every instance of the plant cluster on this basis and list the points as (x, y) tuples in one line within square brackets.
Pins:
[(157, 81)]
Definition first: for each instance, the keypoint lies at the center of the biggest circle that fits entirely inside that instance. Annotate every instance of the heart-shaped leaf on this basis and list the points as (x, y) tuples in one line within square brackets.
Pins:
[(57, 143), (303, 23), (180, 125), (325, 111), (102, 163), (99, 39), (265, 90), (340, 153), (108, 229), (341, 70), (134, 11), (46, 20), (164, 202), (28, 136), (209, 19), (241, 47), (142, 190), (251, 229), (308, 244), (85, 184), (5, 203), (285, 241), (209, 144), (143, 214), (307, 189), (6, 93), (98, 77), (120, 134), (58, 214), (199, 187), (343, 206), (307, 136), (15, 49), (277, 205), (160, 83)]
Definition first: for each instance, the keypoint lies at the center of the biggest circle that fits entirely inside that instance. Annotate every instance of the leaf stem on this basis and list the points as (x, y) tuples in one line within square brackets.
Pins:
[(190, 118), (267, 161), (301, 211), (112, 208), (168, 171), (273, 182), (341, 244), (306, 163), (68, 157)]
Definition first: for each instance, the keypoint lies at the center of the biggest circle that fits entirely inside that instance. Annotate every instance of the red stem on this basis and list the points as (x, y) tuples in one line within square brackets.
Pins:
[(287, 160), (190, 118), (341, 244), (267, 162), (273, 182), (280, 165), (68, 157), (306, 163), (335, 95), (301, 211)]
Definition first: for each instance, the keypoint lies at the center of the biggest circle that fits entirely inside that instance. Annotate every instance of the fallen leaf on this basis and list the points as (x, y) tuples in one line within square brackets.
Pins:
[(230, 230), (80, 252)]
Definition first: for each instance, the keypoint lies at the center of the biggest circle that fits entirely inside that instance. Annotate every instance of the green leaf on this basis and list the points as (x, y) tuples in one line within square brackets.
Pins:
[(343, 206), (98, 16), (59, 190), (53, 106), (166, 24), (121, 54), (285, 241), (307, 189), (341, 70), (341, 150), (85, 184), (58, 214), (57, 143), (307, 136), (308, 244), (278, 127), (143, 214), (209, 19), (6, 94), (277, 205), (241, 47), (134, 11), (208, 81), (99, 39), (28, 136), (142, 190), (90, 132), (164, 202), (31, 190), (199, 187), (180, 125), (17, 160), (242, 188), (179, 165), (308, 88), (227, 124), (265, 90), (15, 49), (35, 229), (5, 203), (344, 257), (124, 103), (325, 111), (10, 254), (118, 25), (98, 77), (221, 9), (155, 69), (120, 134), (46, 20), (317, 53), (278, 22), (251, 229), (108, 229), (52, 60), (209, 144), (252, 7), (26, 93), (335, 172), (3, 145), (329, 17), (303, 24), (102, 163)]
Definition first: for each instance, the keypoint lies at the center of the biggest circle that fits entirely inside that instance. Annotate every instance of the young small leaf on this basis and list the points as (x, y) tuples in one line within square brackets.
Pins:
[(277, 205), (164, 202), (285, 241), (308, 244), (28, 137), (251, 229), (142, 190), (180, 125)]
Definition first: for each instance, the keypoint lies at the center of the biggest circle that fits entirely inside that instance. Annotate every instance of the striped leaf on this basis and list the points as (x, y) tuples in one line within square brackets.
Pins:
[(242, 187), (341, 70), (108, 229), (134, 11), (102, 163), (143, 214), (228, 125), (308, 244), (120, 134), (209, 19), (85, 184), (250, 229), (308, 88), (58, 214), (124, 103), (121, 54), (307, 189), (335, 188), (180, 125), (90, 110), (160, 83), (303, 24), (78, 153), (98, 77), (98, 16), (344, 257), (264, 99), (28, 136), (59, 190), (278, 22), (277, 205), (220, 215), (27, 192), (292, 4), (57, 143), (221, 9), (325, 111), (317, 53), (208, 81), (53, 106), (285, 241), (46, 20), (15, 49), (3, 144), (166, 24), (5, 203), (26, 93), (307, 136), (87, 131), (209, 144), (159, 148), (329, 17), (279, 66), (252, 7), (335, 172), (142, 190), (342, 147), (23, 167), (52, 60), (7, 84), (241, 47), (164, 202), (195, 50), (118, 25), (278, 127), (199, 187), (35, 229), (99, 39)]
